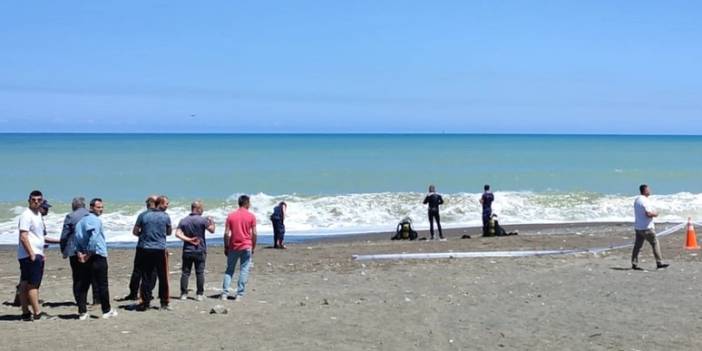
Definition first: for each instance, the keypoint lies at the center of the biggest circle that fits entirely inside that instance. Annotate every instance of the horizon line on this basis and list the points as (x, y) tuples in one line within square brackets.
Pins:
[(351, 133)]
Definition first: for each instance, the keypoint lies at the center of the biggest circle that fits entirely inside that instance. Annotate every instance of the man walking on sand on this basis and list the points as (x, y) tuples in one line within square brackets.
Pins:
[(239, 245), (91, 253), (645, 228), (30, 253), (191, 230), (152, 229)]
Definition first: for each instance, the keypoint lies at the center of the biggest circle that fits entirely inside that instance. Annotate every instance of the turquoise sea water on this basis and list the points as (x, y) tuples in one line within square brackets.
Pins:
[(353, 182)]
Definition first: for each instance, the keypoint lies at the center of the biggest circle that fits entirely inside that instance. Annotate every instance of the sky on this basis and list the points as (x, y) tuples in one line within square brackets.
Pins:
[(621, 67)]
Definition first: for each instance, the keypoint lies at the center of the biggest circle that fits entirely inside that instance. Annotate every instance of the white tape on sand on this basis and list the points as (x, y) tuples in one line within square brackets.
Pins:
[(483, 254)]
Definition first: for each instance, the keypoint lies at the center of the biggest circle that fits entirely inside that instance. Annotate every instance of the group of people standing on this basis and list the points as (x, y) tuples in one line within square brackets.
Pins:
[(644, 226), (433, 200), (83, 242)]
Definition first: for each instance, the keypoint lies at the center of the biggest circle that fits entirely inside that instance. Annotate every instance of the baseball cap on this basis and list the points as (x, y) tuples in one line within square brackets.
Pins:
[(45, 205)]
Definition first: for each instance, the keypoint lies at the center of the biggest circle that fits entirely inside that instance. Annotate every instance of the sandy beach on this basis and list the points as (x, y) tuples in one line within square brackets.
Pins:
[(315, 296)]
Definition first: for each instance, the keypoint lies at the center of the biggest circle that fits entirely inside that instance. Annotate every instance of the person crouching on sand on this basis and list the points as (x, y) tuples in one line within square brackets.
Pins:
[(645, 228)]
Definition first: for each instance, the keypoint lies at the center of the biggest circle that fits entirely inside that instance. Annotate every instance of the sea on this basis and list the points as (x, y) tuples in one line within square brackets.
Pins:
[(338, 184)]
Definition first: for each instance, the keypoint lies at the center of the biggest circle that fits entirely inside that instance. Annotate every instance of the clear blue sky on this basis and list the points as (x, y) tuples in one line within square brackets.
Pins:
[(352, 66)]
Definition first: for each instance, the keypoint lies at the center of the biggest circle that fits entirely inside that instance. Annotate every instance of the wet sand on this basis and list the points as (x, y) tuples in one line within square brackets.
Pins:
[(315, 296)]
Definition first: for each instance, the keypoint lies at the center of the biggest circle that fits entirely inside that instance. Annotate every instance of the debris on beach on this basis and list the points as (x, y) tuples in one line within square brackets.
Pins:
[(219, 309)]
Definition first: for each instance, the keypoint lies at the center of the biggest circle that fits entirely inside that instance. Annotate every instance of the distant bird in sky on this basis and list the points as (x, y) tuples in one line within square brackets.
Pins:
[(192, 115)]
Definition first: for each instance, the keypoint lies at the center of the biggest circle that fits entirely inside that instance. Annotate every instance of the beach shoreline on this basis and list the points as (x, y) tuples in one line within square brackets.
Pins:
[(296, 296), (451, 232)]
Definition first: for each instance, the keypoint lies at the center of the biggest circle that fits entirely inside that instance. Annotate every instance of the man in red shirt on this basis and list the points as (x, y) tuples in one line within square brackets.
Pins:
[(239, 245)]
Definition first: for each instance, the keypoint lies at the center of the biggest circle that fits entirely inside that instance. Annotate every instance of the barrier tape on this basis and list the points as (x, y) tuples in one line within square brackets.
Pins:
[(484, 254)]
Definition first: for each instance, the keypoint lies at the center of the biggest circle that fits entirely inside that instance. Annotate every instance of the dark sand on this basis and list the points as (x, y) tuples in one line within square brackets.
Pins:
[(314, 296)]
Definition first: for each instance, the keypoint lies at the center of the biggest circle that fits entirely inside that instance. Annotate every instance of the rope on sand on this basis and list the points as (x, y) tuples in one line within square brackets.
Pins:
[(483, 254)]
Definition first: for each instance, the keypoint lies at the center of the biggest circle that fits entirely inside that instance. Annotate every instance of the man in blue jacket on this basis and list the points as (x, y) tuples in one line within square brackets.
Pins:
[(91, 253)]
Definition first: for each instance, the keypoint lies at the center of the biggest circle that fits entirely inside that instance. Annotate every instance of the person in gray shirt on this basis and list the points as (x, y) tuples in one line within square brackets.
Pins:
[(68, 247), (191, 230), (135, 279), (152, 228)]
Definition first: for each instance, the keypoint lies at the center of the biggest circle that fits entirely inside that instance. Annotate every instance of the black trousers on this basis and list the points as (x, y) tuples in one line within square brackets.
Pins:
[(434, 215), (150, 260), (94, 271), (487, 213), (278, 232), (135, 279), (73, 260), (198, 260)]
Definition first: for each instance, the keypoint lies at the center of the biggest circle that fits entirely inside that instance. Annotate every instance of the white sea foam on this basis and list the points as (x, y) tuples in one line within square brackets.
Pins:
[(359, 213)]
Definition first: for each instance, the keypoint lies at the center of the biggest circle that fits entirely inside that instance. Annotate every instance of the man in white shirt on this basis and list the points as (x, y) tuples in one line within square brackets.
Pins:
[(645, 228), (30, 253)]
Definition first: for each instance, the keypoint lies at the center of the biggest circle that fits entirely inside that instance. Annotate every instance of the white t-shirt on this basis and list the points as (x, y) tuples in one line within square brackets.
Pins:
[(32, 223), (641, 220)]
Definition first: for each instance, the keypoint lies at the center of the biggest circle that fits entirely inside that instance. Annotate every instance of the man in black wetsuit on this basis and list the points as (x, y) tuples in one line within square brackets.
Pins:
[(433, 199), (486, 200)]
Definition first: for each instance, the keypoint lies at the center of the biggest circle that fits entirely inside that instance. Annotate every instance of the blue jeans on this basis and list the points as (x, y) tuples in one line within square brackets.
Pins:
[(244, 256)]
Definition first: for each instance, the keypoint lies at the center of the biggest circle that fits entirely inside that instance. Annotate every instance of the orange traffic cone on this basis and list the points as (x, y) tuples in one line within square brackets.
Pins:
[(691, 242)]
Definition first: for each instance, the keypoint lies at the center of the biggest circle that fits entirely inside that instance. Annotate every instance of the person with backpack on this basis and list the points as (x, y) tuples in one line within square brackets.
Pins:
[(404, 230)]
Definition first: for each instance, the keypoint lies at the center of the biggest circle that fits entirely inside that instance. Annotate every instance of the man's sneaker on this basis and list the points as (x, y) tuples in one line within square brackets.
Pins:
[(43, 316), (224, 297), (239, 298), (636, 268), (83, 317), (442, 239), (199, 297), (662, 265), (27, 317), (184, 297), (110, 314), (166, 307)]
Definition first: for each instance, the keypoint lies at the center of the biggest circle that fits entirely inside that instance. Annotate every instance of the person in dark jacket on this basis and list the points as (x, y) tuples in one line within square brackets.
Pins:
[(486, 201), (68, 246), (433, 200), (278, 220)]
